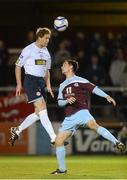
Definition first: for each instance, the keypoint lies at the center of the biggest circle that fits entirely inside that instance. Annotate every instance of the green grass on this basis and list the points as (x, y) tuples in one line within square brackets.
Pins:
[(79, 167)]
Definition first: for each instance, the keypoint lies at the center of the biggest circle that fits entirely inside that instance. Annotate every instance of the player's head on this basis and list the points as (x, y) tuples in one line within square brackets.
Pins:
[(69, 65), (43, 36)]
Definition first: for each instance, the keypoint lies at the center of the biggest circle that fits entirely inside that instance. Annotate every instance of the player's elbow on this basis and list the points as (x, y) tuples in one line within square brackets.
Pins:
[(62, 103)]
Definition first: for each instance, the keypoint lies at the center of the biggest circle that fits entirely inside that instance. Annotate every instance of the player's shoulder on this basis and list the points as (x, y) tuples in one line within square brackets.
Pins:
[(84, 81), (28, 47), (74, 79), (80, 79), (63, 84), (46, 51)]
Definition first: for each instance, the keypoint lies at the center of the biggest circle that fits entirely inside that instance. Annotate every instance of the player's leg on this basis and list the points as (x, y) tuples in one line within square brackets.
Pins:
[(28, 121), (35, 90), (88, 119), (60, 152), (106, 134), (65, 131), (33, 93), (41, 106)]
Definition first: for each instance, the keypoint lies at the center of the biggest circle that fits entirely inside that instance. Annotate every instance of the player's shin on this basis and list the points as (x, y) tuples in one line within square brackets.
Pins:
[(47, 124), (28, 121), (106, 134), (60, 154)]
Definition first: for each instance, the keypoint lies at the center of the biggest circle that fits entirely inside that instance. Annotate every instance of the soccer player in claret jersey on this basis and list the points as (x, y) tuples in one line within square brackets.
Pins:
[(36, 61), (72, 95)]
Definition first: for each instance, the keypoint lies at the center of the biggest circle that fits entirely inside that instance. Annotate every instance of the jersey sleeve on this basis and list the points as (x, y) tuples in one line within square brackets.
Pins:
[(22, 58), (99, 92), (60, 94)]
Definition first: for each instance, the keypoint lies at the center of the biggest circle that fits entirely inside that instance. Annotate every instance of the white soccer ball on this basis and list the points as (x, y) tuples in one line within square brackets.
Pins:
[(60, 23)]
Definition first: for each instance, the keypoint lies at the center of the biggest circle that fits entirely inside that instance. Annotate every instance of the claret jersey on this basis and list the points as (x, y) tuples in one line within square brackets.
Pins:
[(77, 87), (34, 60)]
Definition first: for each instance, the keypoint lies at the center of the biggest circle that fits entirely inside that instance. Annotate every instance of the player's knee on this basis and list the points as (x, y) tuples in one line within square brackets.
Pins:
[(40, 105), (93, 125), (59, 141)]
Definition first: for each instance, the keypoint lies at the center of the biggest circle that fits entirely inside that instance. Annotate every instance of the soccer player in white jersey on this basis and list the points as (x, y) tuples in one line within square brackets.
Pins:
[(36, 61), (73, 95)]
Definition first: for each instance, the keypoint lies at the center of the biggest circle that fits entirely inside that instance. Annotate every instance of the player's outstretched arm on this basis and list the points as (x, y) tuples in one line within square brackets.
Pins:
[(101, 93)]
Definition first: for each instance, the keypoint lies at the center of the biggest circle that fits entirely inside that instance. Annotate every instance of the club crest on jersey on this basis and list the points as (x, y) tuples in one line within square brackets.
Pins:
[(38, 93), (76, 84)]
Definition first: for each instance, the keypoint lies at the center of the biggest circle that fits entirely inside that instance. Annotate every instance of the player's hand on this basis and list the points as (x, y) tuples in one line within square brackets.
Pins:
[(111, 100), (49, 89), (18, 90), (71, 100)]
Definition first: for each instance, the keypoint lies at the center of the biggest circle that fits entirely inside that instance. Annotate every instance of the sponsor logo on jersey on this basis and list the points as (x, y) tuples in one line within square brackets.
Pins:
[(40, 62)]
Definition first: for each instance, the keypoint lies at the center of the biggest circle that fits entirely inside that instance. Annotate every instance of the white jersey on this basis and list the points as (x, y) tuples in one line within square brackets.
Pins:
[(34, 60)]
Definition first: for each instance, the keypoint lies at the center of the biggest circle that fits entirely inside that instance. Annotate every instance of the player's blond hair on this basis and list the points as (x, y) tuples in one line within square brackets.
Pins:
[(42, 31)]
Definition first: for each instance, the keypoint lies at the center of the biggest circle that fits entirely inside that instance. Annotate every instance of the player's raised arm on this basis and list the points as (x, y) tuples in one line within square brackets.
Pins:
[(101, 93)]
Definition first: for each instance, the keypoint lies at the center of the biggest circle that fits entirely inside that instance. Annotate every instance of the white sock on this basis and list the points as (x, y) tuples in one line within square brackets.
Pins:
[(29, 120), (47, 124)]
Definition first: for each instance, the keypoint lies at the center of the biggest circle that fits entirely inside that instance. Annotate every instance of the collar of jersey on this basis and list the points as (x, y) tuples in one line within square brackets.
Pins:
[(38, 47)]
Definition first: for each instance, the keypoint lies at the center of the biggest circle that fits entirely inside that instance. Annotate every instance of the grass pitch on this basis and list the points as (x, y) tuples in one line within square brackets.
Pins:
[(79, 167)]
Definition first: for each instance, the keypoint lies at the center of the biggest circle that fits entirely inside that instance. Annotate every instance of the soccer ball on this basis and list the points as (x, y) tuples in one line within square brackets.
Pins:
[(60, 23)]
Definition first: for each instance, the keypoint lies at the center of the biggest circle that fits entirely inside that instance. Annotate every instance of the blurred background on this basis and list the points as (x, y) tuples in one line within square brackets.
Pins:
[(96, 38)]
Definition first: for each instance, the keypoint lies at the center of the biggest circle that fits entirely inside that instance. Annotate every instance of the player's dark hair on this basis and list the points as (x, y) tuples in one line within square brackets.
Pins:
[(74, 63), (41, 32)]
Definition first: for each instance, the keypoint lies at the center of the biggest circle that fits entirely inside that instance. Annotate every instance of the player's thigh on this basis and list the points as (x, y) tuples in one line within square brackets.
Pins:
[(36, 111), (68, 125), (40, 104), (61, 137), (82, 117)]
